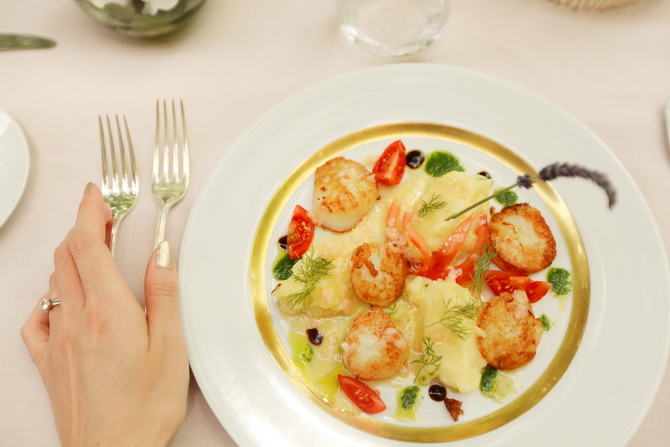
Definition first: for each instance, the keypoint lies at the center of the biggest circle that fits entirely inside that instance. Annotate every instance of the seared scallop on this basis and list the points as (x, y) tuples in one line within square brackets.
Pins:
[(521, 239), (374, 349), (378, 273), (510, 333), (344, 192)]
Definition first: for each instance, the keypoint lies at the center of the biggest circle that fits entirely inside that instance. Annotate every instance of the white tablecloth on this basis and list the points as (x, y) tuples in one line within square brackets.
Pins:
[(610, 69)]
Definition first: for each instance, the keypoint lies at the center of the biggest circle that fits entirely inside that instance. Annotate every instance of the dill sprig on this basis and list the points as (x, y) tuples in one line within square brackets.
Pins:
[(482, 265), (428, 360), (434, 205), (548, 173), (309, 273), (452, 318)]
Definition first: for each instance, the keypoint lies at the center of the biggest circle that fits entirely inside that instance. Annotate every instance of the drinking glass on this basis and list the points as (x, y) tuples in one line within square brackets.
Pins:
[(392, 27)]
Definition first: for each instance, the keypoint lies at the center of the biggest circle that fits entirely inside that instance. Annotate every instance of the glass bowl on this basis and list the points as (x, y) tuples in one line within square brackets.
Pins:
[(142, 18)]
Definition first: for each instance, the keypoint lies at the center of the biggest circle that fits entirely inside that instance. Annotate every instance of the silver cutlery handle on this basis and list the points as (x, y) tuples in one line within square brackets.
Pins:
[(161, 222)]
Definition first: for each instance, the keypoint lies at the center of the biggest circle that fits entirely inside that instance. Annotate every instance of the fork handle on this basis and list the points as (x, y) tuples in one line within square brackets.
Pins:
[(160, 224), (111, 235)]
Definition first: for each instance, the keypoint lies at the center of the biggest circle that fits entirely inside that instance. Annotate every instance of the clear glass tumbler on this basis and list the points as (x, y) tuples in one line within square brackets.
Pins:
[(392, 27)]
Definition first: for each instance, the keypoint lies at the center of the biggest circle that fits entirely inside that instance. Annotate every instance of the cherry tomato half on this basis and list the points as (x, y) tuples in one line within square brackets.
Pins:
[(536, 290), (300, 232), (362, 395), (390, 166), (501, 282)]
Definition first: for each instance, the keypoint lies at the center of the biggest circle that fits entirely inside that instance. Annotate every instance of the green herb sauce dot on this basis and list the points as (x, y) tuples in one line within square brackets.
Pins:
[(547, 322), (409, 396), (408, 399), (488, 379), (282, 268), (307, 354), (561, 284), (439, 163), (507, 198)]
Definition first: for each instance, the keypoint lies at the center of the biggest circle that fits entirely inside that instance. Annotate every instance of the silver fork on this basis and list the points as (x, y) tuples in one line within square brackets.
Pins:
[(171, 162), (120, 185)]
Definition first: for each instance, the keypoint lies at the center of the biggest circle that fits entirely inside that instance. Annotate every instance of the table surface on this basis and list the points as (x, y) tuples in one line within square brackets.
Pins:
[(236, 59)]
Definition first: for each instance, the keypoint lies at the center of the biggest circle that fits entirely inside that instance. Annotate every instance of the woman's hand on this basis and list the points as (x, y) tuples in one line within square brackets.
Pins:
[(115, 375)]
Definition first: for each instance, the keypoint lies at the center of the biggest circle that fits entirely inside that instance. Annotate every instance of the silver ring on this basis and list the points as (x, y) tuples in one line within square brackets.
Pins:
[(48, 303)]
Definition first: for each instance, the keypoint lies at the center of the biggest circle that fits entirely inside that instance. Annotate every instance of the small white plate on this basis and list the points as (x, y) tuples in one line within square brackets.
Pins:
[(14, 165), (610, 383)]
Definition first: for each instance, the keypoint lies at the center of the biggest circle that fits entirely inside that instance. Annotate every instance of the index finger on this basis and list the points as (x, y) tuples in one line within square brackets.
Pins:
[(83, 260), (94, 214)]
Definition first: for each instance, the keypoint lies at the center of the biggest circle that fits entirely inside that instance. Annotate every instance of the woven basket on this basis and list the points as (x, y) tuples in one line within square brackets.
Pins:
[(596, 4)]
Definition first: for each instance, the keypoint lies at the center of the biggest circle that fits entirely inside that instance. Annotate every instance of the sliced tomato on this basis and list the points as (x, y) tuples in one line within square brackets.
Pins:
[(500, 274), (443, 257), (467, 267), (390, 166), (419, 242), (362, 395), (508, 285), (392, 220), (536, 290), (507, 282), (300, 232)]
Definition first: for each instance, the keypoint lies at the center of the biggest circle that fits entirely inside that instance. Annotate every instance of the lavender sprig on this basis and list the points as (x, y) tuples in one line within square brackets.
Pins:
[(556, 170), (548, 173)]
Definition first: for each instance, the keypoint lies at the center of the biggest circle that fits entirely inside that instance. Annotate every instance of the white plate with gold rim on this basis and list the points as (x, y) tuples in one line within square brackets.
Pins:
[(595, 399), (14, 165)]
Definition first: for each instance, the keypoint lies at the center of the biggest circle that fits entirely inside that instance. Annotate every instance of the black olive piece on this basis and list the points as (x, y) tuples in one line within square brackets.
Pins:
[(415, 159), (315, 337), (283, 242), (437, 392)]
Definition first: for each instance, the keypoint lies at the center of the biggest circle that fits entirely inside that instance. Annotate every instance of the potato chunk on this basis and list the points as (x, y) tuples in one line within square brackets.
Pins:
[(521, 239), (331, 295), (462, 362), (511, 333), (344, 192), (378, 274), (374, 349)]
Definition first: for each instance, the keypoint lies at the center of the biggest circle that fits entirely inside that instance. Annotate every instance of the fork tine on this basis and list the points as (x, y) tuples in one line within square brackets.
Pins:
[(123, 175), (103, 155), (154, 172), (171, 156), (166, 141), (159, 147), (185, 154), (175, 144), (112, 155), (131, 153)]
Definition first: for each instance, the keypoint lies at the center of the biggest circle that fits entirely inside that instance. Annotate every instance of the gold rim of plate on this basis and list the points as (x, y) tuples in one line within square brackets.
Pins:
[(454, 431)]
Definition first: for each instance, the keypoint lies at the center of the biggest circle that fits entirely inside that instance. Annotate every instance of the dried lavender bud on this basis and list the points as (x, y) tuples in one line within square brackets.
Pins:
[(525, 181), (551, 172), (557, 170)]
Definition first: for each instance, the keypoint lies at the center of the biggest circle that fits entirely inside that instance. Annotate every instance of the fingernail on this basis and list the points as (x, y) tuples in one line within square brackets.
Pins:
[(89, 186), (164, 255)]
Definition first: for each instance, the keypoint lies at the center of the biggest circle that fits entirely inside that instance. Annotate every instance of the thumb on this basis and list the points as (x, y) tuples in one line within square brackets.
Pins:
[(161, 292)]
